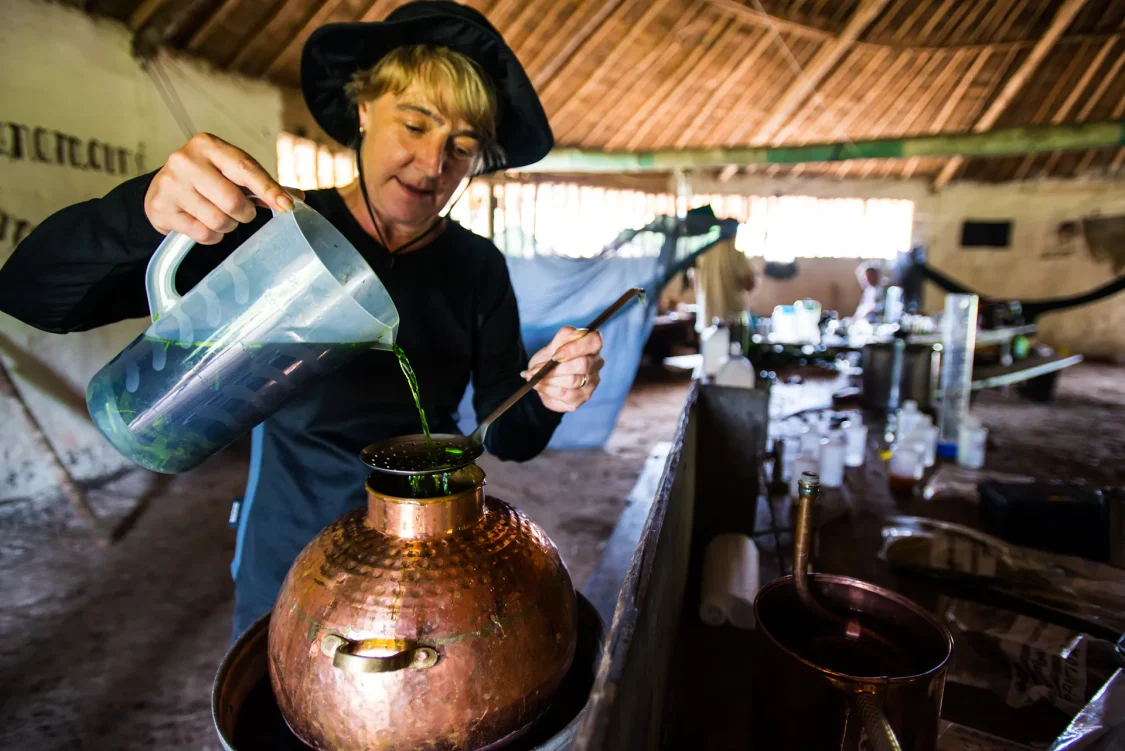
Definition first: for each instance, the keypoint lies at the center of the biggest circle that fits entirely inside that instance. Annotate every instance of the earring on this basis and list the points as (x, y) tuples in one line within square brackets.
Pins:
[(361, 130)]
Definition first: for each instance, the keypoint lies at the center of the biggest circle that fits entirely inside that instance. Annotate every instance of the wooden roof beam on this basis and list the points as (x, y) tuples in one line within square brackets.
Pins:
[(820, 66), (993, 143), (293, 46), (730, 80), (215, 20), (574, 43), (154, 22), (770, 21), (575, 98), (1063, 112), (1062, 19), (950, 105)]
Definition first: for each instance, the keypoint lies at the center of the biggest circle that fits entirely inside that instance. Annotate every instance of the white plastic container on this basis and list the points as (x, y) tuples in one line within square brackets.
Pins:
[(714, 345), (784, 323), (928, 436), (808, 321), (811, 441), (906, 462), (971, 443), (832, 455), (736, 371), (908, 418), (856, 436)]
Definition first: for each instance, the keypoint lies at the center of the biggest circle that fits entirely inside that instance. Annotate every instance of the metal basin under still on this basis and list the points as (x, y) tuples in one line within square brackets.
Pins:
[(247, 718)]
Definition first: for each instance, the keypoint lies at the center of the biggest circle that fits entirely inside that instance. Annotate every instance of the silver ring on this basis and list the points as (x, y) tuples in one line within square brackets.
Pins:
[(585, 378)]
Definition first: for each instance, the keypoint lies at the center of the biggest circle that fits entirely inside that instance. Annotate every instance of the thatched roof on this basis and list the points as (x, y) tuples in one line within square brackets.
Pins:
[(669, 74)]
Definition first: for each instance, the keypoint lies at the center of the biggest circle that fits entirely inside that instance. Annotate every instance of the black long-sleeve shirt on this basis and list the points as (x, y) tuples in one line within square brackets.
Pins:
[(84, 267)]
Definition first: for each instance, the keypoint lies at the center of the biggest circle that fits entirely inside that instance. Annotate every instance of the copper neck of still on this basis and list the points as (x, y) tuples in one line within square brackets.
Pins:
[(419, 518)]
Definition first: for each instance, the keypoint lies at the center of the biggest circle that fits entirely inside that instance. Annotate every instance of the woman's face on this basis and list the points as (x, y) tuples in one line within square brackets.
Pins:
[(413, 156)]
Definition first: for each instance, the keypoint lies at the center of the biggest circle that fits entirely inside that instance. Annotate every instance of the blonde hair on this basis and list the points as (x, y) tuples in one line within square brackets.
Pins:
[(456, 85)]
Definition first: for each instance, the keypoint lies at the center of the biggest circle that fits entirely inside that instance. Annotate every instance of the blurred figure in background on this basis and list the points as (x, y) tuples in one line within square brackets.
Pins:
[(723, 280), (871, 280)]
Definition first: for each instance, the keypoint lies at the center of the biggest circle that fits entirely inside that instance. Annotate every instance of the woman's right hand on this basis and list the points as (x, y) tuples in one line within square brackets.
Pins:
[(198, 191)]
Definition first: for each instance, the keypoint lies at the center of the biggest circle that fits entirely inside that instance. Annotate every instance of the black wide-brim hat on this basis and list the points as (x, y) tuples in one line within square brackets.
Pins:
[(334, 52)]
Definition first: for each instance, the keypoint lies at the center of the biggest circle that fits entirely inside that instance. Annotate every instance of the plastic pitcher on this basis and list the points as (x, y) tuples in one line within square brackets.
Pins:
[(292, 303)]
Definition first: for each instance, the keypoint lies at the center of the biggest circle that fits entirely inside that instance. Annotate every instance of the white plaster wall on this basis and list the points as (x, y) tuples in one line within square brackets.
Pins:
[(66, 72), (1034, 207)]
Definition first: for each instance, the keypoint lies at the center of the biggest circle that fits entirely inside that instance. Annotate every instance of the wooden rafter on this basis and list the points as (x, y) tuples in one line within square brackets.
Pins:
[(636, 30), (1062, 19), (1092, 101), (747, 61), (155, 22), (852, 83), (907, 123), (822, 63), (143, 12), (275, 61), (546, 70), (998, 11), (656, 59), (249, 45), (214, 21), (950, 105), (1064, 109), (768, 20), (700, 57)]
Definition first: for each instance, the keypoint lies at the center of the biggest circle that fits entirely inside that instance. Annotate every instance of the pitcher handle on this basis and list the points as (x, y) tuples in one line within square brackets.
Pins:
[(160, 277), (879, 730)]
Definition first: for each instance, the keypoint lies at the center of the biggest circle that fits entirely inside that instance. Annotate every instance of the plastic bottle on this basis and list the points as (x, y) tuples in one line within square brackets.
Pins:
[(810, 442), (971, 443), (855, 432), (908, 418), (832, 455), (928, 435), (736, 370), (714, 345), (905, 469)]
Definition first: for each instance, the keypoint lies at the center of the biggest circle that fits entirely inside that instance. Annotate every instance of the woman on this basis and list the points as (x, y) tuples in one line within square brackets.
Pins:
[(427, 97)]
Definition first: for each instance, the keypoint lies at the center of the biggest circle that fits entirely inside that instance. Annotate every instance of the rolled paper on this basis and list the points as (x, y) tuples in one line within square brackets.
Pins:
[(730, 581)]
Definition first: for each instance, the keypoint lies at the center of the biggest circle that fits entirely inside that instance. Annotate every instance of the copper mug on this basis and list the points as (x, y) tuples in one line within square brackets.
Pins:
[(840, 663)]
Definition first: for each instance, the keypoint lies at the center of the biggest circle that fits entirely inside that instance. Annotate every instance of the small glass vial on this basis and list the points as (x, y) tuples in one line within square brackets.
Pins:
[(810, 442), (832, 454), (904, 470), (855, 433), (971, 443)]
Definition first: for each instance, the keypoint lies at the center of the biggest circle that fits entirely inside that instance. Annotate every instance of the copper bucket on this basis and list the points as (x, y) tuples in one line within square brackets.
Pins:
[(857, 667)]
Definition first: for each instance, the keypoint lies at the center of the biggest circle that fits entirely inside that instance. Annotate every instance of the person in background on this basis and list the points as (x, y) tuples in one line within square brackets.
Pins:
[(723, 279), (871, 280)]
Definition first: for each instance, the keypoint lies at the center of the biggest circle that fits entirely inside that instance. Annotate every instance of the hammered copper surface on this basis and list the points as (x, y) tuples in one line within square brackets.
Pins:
[(485, 588)]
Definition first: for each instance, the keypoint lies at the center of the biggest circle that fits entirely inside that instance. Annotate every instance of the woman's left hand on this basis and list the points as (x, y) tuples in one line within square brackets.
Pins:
[(572, 382)]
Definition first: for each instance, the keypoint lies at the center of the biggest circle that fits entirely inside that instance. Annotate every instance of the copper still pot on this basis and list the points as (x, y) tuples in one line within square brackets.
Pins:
[(432, 623)]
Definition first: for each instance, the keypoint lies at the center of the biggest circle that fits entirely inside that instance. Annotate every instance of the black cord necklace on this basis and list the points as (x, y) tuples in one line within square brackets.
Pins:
[(379, 233)]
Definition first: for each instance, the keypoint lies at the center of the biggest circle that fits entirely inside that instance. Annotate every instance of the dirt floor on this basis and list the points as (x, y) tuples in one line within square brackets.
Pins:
[(116, 648)]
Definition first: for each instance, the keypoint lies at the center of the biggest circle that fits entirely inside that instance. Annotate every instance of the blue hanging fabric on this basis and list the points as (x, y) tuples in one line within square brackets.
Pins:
[(555, 291)]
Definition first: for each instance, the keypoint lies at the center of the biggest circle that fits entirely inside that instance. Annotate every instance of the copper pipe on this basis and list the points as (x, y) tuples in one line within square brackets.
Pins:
[(808, 488)]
